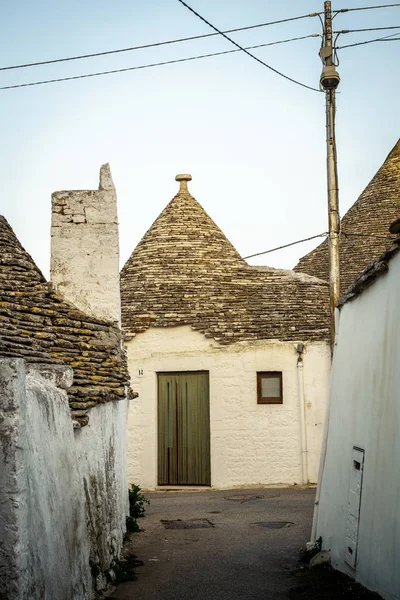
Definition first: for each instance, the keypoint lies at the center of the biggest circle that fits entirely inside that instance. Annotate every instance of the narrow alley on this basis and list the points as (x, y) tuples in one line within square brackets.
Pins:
[(220, 545)]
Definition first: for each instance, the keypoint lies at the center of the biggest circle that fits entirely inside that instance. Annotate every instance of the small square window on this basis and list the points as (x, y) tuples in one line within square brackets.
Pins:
[(269, 387)]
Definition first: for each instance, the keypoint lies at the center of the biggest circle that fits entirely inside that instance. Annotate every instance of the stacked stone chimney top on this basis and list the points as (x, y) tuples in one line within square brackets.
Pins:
[(85, 248), (106, 181)]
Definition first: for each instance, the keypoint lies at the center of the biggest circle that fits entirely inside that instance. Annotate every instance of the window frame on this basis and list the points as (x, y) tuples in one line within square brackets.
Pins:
[(269, 374)]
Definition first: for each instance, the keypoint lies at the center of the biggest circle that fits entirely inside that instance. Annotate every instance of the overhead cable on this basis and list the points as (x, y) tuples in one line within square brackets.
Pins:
[(313, 237), (367, 29), (153, 45), (324, 234), (389, 236), (246, 51), (387, 38), (342, 10), (158, 64)]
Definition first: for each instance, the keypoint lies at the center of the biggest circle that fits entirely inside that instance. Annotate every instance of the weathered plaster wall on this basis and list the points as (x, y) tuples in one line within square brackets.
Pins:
[(42, 519), (101, 448), (250, 443), (63, 492), (365, 412), (12, 476), (84, 248)]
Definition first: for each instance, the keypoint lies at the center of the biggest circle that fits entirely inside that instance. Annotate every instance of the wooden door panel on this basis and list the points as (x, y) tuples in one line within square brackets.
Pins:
[(183, 429)]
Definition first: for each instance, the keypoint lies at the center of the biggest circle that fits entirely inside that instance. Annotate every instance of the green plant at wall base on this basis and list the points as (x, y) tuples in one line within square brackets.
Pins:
[(123, 571), (137, 509)]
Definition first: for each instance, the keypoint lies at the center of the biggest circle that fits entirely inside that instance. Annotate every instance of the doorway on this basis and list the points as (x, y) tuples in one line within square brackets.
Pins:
[(184, 428)]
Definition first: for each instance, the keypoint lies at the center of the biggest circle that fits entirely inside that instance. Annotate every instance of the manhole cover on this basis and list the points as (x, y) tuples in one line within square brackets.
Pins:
[(190, 524), (243, 498), (273, 524)]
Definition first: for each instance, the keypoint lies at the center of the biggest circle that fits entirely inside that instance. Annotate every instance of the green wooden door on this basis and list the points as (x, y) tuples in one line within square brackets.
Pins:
[(183, 429)]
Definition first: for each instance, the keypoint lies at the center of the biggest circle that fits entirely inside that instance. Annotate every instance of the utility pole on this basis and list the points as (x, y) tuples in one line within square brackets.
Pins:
[(329, 82)]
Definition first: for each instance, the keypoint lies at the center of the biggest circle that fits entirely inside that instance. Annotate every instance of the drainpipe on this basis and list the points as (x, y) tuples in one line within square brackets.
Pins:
[(313, 538), (312, 541), (303, 430)]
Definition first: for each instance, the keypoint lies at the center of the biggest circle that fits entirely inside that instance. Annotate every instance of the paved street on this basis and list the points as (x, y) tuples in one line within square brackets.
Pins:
[(242, 552)]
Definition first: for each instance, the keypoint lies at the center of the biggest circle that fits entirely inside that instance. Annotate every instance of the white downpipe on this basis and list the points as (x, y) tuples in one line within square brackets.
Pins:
[(304, 448), (320, 475), (324, 446)]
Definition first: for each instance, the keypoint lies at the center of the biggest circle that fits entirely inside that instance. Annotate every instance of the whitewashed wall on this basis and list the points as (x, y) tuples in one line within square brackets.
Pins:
[(101, 458), (63, 492), (250, 443), (84, 262), (365, 412)]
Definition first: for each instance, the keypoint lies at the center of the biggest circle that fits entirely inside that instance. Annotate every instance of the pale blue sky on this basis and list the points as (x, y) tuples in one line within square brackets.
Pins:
[(254, 143)]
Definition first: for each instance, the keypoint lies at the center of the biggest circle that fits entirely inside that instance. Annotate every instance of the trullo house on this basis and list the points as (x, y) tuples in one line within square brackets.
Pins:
[(358, 497), (231, 361), (357, 516), (364, 228)]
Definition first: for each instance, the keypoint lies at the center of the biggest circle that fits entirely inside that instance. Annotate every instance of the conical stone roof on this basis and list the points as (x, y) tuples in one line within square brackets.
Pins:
[(185, 272), (37, 325), (364, 228)]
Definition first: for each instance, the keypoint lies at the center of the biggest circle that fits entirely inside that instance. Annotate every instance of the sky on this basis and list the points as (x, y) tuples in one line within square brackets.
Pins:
[(253, 142)]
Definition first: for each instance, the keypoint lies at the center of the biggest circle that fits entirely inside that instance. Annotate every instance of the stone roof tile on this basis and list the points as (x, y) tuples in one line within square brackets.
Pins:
[(370, 274), (185, 272), (36, 324), (364, 227)]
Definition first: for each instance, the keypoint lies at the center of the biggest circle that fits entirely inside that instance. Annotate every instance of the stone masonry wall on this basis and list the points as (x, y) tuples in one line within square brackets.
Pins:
[(85, 250)]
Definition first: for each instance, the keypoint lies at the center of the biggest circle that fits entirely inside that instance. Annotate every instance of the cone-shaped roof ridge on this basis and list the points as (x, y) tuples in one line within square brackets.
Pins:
[(185, 236), (38, 325), (395, 151), (365, 227), (14, 258), (185, 271)]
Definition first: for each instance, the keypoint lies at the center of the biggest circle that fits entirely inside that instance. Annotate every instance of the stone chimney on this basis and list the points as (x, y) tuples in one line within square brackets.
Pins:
[(84, 266)]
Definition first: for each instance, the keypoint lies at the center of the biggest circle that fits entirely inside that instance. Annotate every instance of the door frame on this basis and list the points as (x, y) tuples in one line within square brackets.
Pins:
[(181, 372)]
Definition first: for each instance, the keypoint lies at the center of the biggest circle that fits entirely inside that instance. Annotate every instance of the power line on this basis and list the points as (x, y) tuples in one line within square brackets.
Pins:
[(342, 10), (389, 236), (324, 234), (387, 38), (246, 51), (368, 42), (368, 29), (158, 64), (313, 237), (153, 45)]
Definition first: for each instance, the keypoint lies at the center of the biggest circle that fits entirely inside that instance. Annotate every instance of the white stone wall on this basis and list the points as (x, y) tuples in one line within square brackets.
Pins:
[(101, 449), (63, 492), (250, 444), (365, 412), (85, 249)]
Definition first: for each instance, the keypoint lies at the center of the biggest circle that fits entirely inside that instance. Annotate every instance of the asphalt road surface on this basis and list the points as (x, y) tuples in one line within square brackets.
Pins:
[(220, 545)]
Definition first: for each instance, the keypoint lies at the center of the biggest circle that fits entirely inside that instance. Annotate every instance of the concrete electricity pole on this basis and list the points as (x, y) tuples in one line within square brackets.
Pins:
[(329, 82)]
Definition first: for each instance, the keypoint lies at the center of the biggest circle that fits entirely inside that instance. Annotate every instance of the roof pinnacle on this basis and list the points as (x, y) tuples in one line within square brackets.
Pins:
[(183, 178)]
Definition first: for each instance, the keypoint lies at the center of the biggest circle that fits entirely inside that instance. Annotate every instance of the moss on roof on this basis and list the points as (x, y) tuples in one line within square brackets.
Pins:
[(39, 326), (185, 272)]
